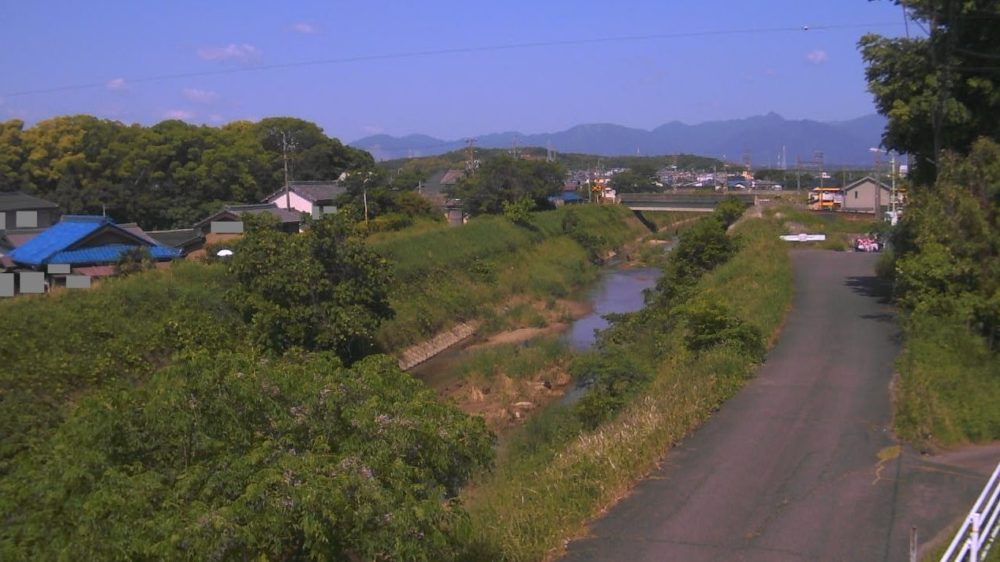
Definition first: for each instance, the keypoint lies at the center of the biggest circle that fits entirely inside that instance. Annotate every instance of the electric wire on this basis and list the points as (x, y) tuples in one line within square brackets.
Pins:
[(446, 51)]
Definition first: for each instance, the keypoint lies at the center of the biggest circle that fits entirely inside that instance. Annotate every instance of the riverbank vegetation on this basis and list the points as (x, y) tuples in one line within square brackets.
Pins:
[(444, 276), (656, 374), (206, 411), (946, 273), (945, 264)]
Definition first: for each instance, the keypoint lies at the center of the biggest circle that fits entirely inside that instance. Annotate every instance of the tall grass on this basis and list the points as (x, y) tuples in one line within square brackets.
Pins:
[(449, 275), (555, 475), (949, 387)]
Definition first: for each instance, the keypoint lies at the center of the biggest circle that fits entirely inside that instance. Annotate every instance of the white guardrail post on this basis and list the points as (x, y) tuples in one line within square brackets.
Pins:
[(974, 538)]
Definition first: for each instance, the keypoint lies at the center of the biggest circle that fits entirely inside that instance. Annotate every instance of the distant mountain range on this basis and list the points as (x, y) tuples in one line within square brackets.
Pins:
[(763, 137)]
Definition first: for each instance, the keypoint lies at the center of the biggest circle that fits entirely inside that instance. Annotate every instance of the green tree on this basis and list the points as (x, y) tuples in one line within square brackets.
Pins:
[(939, 92), (323, 289), (233, 457), (506, 179), (641, 177)]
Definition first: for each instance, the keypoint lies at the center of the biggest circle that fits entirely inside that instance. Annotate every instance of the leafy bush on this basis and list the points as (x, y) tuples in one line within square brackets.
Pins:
[(230, 457), (134, 260), (613, 376), (729, 210), (323, 289), (710, 324)]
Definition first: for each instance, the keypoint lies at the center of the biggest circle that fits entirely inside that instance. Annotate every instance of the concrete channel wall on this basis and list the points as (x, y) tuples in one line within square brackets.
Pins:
[(423, 351)]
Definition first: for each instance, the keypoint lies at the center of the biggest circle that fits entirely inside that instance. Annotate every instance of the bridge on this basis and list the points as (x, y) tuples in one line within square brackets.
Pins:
[(681, 201)]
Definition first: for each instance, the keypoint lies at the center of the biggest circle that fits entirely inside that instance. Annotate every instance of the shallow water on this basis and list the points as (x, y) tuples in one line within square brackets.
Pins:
[(617, 291)]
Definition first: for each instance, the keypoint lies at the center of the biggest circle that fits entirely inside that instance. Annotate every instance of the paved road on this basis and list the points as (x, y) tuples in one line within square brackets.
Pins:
[(801, 464)]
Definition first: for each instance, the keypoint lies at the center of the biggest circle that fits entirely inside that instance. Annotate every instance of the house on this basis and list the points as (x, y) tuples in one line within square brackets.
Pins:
[(314, 198), (866, 195), (22, 211), (440, 185), (84, 245), (229, 220), (186, 240), (566, 198)]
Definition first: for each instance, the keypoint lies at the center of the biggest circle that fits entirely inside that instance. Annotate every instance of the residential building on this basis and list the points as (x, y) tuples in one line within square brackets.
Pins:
[(313, 198), (866, 195), (22, 211), (229, 220), (84, 245), (186, 240)]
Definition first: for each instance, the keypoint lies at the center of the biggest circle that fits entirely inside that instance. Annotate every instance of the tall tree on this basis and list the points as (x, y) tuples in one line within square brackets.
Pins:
[(320, 290), (939, 91), (509, 180)]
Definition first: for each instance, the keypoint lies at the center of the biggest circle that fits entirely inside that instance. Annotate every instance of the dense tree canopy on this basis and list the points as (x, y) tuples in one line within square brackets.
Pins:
[(940, 95), (509, 180), (323, 289), (169, 175), (639, 178), (939, 91)]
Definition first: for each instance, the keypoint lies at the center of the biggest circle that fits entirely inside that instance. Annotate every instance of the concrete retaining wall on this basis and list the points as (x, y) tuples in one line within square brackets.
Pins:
[(421, 352)]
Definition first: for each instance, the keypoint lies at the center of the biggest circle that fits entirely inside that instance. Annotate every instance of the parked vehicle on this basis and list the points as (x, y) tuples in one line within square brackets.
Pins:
[(868, 243)]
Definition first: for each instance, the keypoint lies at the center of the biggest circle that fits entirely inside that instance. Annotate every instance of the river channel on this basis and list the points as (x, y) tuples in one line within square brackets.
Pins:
[(616, 291)]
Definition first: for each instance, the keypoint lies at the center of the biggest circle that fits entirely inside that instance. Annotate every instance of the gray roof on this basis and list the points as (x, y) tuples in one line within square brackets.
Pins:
[(283, 215), (313, 191), (17, 201), (442, 181), (861, 181), (175, 238)]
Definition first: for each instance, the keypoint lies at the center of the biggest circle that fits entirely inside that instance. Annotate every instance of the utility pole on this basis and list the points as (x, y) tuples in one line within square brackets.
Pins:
[(284, 157), (892, 202), (470, 154)]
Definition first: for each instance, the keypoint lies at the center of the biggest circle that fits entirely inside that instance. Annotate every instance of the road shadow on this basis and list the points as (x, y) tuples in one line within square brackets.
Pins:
[(871, 286)]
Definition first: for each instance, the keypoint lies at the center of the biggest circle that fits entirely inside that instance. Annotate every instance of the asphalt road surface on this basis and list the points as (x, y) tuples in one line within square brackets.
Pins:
[(801, 465)]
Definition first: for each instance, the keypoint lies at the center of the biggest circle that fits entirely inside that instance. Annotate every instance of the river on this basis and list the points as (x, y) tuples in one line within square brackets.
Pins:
[(616, 291)]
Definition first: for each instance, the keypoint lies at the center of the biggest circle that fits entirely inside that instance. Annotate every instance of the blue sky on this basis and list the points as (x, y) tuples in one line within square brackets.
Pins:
[(217, 61)]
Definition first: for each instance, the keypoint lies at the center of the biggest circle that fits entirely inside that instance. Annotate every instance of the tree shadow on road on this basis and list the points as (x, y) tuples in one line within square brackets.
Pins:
[(871, 286)]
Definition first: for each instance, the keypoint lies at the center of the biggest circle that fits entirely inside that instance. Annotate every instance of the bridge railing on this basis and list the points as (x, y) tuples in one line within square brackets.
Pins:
[(973, 541)]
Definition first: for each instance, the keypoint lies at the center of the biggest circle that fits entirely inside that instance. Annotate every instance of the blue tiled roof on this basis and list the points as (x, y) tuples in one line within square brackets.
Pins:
[(56, 238), (51, 245), (108, 254)]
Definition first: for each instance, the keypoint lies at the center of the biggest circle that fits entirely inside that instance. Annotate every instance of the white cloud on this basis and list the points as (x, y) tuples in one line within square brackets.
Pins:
[(216, 118), (182, 114), (200, 96), (818, 56), (305, 28), (244, 52), (117, 84)]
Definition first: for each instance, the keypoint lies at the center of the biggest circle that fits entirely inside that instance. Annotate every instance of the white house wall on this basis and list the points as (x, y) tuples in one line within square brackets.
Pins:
[(298, 203)]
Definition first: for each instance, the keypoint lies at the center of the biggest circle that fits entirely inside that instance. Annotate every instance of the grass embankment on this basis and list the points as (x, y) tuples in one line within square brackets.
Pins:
[(556, 475), (56, 347), (949, 386), (444, 276)]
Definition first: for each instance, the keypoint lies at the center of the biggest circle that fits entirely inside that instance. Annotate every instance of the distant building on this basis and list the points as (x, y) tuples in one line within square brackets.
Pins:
[(440, 185), (313, 198), (20, 211), (867, 195)]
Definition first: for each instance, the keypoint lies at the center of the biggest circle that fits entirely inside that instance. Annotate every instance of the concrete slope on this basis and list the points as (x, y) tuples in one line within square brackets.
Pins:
[(801, 465)]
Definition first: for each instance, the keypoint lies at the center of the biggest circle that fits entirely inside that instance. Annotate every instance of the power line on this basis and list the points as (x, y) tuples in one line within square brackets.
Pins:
[(450, 51)]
